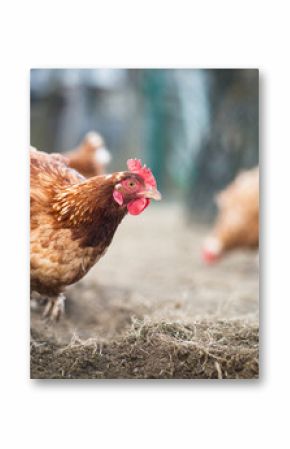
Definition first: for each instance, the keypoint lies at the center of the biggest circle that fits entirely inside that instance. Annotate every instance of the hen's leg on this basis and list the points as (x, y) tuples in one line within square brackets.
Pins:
[(54, 308), (36, 301)]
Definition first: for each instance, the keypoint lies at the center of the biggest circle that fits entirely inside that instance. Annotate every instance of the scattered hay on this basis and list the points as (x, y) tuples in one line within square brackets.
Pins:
[(149, 350)]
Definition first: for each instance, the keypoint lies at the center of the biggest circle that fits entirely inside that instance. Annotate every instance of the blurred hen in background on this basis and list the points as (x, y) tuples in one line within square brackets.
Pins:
[(237, 224), (91, 157)]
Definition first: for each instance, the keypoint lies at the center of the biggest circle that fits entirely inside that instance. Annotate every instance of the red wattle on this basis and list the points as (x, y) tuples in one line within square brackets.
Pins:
[(135, 207)]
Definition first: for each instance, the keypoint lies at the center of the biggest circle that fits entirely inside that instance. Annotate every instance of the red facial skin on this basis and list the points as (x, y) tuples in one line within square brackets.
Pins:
[(136, 190), (130, 188)]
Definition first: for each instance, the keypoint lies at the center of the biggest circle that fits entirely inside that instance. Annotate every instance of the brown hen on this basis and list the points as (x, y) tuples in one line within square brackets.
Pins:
[(73, 220), (237, 224)]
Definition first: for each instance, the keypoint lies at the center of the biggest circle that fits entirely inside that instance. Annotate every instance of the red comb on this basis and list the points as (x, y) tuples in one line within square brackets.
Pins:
[(135, 166)]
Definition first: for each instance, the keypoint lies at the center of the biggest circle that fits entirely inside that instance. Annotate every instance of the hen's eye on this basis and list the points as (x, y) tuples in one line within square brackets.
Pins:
[(131, 184)]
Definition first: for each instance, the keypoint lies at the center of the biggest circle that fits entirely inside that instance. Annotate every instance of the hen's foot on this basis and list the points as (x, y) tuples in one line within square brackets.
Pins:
[(54, 308)]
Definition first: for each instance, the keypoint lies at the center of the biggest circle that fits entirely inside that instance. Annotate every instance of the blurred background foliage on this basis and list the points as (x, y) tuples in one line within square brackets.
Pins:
[(195, 128)]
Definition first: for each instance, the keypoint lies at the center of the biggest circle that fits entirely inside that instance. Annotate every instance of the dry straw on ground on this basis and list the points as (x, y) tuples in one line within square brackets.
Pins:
[(203, 350)]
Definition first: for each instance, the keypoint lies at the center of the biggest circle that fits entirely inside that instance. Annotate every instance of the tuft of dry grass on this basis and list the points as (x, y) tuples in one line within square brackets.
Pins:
[(222, 349)]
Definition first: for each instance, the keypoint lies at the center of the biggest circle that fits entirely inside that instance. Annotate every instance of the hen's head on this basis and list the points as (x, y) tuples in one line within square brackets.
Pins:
[(136, 188), (212, 250)]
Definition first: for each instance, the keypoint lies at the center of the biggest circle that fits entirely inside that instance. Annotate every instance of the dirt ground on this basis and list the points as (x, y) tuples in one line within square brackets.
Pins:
[(151, 309)]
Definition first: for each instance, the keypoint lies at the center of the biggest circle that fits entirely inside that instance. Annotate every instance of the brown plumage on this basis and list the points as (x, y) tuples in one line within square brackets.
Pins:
[(237, 224), (73, 221), (91, 157)]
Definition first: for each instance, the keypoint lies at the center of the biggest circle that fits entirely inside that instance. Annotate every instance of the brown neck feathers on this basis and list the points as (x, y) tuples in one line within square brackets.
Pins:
[(89, 210)]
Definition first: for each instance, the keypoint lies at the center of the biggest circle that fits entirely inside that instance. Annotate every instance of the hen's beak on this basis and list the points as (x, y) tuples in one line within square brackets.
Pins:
[(152, 193)]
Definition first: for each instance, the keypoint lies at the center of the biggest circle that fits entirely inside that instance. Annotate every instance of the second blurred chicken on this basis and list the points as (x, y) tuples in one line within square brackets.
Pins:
[(237, 224), (91, 157)]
